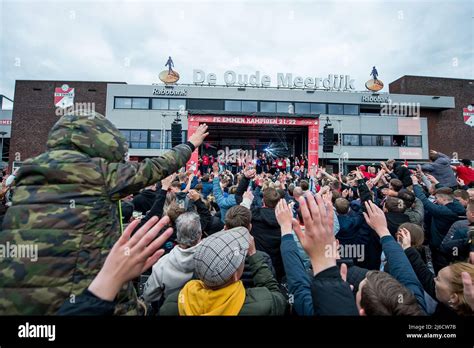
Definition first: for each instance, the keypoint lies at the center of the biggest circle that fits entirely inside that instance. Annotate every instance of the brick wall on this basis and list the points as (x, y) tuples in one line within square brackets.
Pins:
[(34, 112), (447, 131)]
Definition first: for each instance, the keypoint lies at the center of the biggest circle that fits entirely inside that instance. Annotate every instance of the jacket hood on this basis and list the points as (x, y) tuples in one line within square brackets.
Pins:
[(183, 259), (196, 299), (90, 133)]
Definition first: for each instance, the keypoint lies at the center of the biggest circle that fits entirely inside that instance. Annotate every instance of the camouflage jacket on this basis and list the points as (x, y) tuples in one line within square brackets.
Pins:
[(65, 205)]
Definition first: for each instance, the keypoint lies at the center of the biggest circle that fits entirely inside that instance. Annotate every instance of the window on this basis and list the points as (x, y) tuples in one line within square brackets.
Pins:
[(351, 140), (302, 108), (184, 137), (155, 139), (233, 105), (370, 111), (138, 139), (318, 108), (368, 140), (126, 134), (351, 109), (413, 140), (335, 109), (176, 103), (249, 106), (123, 103), (384, 140), (283, 107), (205, 104), (140, 103), (267, 107), (168, 139), (160, 104)]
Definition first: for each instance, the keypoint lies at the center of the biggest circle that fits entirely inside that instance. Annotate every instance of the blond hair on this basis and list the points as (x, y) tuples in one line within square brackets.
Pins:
[(456, 269)]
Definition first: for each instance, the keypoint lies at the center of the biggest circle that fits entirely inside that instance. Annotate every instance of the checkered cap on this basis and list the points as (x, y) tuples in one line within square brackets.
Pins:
[(220, 255)]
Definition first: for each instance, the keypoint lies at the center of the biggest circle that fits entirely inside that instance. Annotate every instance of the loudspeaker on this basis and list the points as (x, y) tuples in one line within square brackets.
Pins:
[(176, 134), (328, 139)]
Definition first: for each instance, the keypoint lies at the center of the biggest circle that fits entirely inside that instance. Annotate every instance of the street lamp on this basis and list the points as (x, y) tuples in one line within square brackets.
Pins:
[(2, 133)]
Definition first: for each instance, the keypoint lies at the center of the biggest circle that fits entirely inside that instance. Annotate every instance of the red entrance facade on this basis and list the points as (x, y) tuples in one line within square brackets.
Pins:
[(312, 125)]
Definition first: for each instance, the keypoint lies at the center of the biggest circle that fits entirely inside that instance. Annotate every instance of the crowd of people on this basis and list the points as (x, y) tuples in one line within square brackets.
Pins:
[(160, 238), (264, 162)]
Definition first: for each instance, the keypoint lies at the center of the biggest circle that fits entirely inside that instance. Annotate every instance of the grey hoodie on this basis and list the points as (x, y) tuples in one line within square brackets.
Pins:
[(170, 273), (441, 170)]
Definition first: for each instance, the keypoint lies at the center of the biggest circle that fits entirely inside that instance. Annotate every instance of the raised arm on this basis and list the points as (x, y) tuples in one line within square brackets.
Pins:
[(298, 280), (122, 179)]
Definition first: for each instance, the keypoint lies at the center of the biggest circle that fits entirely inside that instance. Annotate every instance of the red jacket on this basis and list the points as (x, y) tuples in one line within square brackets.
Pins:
[(465, 173)]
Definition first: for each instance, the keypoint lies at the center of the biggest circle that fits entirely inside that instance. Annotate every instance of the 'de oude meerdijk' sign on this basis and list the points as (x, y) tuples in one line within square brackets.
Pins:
[(284, 80)]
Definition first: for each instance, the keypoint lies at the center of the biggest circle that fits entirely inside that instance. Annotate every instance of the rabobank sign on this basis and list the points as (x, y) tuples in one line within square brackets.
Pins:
[(170, 92)]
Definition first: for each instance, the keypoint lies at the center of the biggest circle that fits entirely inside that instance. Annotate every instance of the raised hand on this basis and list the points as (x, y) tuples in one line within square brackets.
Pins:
[(318, 239), (250, 173), (468, 289), (215, 169), (284, 216), (404, 238), (130, 257), (199, 135), (194, 195), (431, 178), (375, 218), (166, 182), (248, 195)]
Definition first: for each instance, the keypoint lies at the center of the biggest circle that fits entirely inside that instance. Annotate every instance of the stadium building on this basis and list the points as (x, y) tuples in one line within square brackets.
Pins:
[(246, 113)]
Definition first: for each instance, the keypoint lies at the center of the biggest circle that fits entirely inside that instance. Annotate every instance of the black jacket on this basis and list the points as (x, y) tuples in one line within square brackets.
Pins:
[(209, 224), (87, 304), (265, 230), (267, 234), (427, 280), (403, 174), (442, 216), (331, 295), (144, 201), (394, 220)]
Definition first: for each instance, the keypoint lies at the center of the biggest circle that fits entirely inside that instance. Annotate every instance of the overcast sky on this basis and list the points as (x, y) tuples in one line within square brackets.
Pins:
[(130, 41)]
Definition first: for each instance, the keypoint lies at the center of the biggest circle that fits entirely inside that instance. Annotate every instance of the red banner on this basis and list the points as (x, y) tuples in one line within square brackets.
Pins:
[(252, 120), (313, 144)]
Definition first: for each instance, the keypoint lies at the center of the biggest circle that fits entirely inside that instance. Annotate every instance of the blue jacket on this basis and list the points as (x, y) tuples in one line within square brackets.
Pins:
[(224, 203), (299, 282), (442, 216), (401, 269), (206, 189), (349, 226), (455, 244)]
